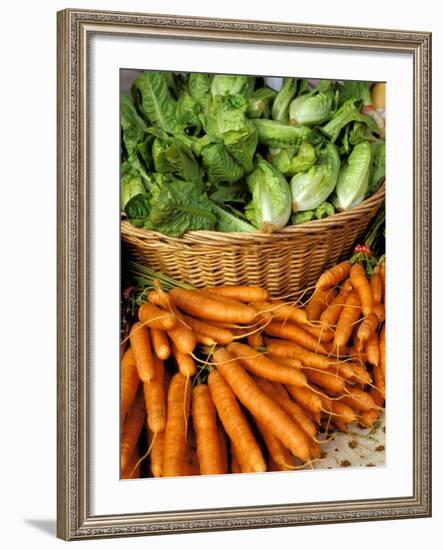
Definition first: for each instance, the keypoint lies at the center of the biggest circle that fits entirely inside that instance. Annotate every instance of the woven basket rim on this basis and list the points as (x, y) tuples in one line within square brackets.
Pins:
[(217, 237)]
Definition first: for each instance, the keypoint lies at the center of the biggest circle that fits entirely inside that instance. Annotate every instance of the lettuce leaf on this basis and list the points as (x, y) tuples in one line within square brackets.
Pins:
[(178, 206), (156, 101), (219, 164)]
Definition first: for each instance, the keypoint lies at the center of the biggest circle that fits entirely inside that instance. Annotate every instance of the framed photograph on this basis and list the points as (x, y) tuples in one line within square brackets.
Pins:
[(244, 293)]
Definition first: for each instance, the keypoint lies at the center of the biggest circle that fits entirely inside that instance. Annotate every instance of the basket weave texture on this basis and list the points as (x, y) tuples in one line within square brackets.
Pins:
[(283, 262)]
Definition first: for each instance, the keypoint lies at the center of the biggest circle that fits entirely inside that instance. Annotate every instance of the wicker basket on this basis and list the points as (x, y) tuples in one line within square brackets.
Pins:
[(283, 262)]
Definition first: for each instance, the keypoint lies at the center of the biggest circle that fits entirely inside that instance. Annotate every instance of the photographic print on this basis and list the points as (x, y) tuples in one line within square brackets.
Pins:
[(253, 274), (243, 274)]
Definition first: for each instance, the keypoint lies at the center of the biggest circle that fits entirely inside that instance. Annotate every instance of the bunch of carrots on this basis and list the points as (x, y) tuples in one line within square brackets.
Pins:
[(228, 380)]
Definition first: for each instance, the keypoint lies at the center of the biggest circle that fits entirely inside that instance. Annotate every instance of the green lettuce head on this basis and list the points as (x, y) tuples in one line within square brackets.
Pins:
[(353, 180), (270, 208), (309, 189)]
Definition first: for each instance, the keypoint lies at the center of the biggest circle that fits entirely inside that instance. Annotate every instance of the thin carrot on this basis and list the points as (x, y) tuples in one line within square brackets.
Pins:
[(334, 275), (294, 333), (247, 450), (379, 311), (278, 452), (290, 350), (185, 363), (280, 311), (129, 382), (376, 287), (242, 293), (330, 315), (141, 347), (209, 451), (372, 349), (361, 284), (221, 335), (360, 374), (183, 338), (289, 362), (211, 308), (382, 348), (348, 317), (264, 409), (367, 327), (358, 399), (346, 413), (204, 340), (318, 302), (379, 380), (367, 418), (176, 426), (326, 380), (154, 317), (264, 367), (321, 332), (155, 398), (157, 450), (306, 398), (132, 429), (278, 393), (255, 340), (160, 344)]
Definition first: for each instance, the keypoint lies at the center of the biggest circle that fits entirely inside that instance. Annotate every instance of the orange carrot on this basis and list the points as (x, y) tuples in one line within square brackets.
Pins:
[(157, 450), (367, 418), (241, 293), (321, 332), (379, 380), (334, 275), (290, 350), (280, 311), (328, 381), (221, 335), (204, 340), (247, 450), (141, 347), (209, 452), (211, 308), (346, 413), (367, 327), (278, 393), (348, 317), (132, 429), (155, 398), (129, 382), (306, 398), (279, 454), (376, 287), (358, 399), (174, 454), (154, 317), (360, 374), (264, 409), (361, 284), (318, 302), (185, 363), (289, 362), (372, 350), (183, 338), (160, 344), (379, 311), (262, 366), (382, 348), (330, 315), (255, 340), (161, 299), (296, 334)]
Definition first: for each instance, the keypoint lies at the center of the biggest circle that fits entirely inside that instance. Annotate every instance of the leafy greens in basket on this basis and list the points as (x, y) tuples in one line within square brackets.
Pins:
[(230, 153)]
